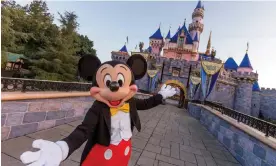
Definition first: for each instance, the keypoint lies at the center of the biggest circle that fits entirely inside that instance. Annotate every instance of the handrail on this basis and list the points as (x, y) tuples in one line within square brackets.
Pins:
[(269, 129)]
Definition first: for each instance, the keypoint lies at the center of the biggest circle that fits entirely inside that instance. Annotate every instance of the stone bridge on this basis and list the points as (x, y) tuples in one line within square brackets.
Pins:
[(170, 136)]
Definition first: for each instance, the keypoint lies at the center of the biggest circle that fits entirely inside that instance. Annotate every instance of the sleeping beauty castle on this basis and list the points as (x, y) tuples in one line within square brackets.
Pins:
[(175, 59)]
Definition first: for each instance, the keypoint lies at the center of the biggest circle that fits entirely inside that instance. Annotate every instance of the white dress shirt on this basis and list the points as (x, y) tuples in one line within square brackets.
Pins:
[(120, 127)]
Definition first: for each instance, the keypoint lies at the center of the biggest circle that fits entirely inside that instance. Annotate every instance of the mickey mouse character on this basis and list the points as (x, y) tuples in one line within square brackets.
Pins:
[(109, 123)]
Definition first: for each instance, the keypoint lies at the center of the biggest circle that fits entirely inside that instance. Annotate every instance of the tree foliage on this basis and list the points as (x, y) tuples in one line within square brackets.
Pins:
[(53, 51)]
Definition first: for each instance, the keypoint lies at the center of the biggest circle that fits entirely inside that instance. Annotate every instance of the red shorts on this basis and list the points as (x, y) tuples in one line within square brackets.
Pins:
[(112, 155)]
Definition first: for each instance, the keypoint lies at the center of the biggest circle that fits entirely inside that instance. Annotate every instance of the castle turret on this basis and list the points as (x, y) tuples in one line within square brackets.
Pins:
[(245, 79), (208, 49), (230, 65), (181, 37), (156, 42), (121, 55), (256, 100), (167, 39), (197, 25)]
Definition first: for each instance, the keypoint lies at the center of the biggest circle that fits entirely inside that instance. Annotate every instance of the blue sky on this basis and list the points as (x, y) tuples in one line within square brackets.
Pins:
[(233, 24)]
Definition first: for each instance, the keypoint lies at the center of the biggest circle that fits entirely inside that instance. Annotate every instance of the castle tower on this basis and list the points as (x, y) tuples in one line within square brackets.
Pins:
[(197, 25), (245, 79), (256, 100), (167, 39), (156, 42), (208, 49), (181, 40)]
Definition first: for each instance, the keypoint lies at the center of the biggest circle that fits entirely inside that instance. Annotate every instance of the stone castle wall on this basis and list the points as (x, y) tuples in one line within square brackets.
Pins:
[(224, 94), (243, 97), (268, 103)]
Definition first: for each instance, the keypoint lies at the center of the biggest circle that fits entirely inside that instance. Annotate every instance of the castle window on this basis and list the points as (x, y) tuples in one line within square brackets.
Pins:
[(175, 72)]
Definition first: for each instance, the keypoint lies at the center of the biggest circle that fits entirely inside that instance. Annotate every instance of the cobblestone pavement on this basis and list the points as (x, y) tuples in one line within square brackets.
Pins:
[(169, 137)]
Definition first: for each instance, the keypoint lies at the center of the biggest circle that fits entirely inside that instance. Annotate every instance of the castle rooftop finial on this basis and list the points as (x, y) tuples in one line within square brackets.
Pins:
[(247, 47), (184, 21)]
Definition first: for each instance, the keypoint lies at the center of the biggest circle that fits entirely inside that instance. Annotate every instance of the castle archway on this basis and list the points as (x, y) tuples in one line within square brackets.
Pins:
[(182, 95)]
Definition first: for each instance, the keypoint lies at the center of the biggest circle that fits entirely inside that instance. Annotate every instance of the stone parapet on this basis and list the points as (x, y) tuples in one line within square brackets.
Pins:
[(22, 117), (245, 76), (248, 146)]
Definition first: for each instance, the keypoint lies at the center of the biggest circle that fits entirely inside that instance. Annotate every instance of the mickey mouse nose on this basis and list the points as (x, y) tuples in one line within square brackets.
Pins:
[(114, 86)]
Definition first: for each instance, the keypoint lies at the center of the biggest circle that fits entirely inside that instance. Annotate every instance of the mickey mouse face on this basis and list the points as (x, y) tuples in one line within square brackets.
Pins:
[(113, 81)]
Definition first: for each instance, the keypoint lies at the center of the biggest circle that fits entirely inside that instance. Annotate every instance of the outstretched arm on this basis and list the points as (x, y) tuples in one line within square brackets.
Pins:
[(165, 92), (53, 153)]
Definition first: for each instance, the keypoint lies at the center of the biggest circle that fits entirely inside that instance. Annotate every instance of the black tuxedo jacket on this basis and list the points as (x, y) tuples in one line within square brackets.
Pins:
[(96, 126)]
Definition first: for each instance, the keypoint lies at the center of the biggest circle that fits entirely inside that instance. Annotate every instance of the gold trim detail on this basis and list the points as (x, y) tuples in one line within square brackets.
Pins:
[(179, 84)]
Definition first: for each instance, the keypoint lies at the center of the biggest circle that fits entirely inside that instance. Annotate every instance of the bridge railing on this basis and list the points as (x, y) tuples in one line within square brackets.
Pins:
[(269, 129), (26, 85)]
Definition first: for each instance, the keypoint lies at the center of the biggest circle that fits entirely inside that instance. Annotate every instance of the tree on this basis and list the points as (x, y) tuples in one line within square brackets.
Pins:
[(53, 51)]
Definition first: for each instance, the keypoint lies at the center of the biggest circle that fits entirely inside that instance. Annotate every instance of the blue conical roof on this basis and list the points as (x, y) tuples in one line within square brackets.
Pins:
[(230, 64), (168, 35), (199, 5), (175, 36), (189, 39), (123, 49), (246, 62), (255, 86), (196, 38), (157, 35)]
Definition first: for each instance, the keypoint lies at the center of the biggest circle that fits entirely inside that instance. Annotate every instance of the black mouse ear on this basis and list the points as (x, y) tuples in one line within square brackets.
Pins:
[(88, 66), (138, 65)]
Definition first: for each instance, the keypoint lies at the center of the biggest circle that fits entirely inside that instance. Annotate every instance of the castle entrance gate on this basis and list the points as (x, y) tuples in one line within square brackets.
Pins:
[(181, 92)]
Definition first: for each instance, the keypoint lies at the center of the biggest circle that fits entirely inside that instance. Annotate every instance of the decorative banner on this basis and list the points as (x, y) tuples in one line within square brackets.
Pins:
[(152, 73), (153, 83), (209, 75), (152, 79), (194, 84), (213, 82), (195, 80), (203, 76), (210, 67)]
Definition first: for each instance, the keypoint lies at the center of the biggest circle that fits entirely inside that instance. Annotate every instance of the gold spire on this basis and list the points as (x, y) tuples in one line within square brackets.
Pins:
[(247, 47), (209, 45)]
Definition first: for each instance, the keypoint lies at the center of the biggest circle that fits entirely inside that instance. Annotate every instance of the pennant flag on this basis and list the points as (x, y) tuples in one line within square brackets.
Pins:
[(194, 84), (209, 74)]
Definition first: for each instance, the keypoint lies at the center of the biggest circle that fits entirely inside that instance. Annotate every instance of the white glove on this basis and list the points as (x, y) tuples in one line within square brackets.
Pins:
[(167, 91), (50, 153)]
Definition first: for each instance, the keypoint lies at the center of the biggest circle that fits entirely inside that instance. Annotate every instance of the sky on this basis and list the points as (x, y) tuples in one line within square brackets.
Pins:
[(233, 24)]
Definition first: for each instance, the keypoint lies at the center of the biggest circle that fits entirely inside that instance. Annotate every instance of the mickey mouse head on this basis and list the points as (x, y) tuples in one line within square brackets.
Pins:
[(113, 82)]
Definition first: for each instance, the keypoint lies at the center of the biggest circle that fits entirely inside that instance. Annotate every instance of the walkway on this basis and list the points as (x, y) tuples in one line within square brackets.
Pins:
[(169, 137)]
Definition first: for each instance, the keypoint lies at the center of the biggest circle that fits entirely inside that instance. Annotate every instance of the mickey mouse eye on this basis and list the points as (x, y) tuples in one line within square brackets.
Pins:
[(120, 79), (107, 80)]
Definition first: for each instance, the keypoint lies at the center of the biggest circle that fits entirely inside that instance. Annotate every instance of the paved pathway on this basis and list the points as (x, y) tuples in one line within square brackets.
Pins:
[(169, 137)]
